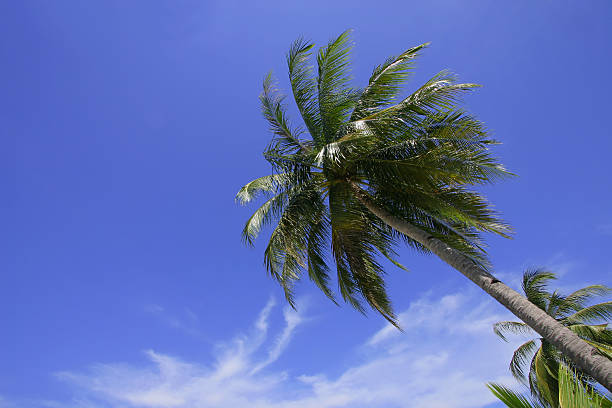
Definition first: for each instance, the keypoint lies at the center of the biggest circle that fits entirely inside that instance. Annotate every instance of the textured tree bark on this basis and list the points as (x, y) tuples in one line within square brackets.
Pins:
[(578, 351)]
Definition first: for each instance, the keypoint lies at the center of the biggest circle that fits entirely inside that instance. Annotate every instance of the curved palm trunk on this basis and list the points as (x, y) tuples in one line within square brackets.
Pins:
[(578, 351)]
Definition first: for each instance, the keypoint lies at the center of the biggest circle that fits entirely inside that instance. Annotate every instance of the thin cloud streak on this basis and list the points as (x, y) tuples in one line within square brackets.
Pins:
[(444, 358)]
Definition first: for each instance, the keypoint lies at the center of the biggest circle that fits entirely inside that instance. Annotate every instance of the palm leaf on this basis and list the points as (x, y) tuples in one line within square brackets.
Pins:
[(264, 215), (572, 394), (594, 313), (583, 295), (385, 82), (285, 139), (500, 328), (336, 100), (512, 399), (304, 86), (534, 286), (261, 185), (521, 359)]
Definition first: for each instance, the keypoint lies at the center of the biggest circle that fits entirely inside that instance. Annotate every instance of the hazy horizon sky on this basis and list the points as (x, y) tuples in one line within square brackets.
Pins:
[(129, 126)]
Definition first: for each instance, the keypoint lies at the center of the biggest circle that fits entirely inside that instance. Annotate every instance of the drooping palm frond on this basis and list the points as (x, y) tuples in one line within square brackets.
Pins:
[(522, 360), (263, 216), (543, 377), (500, 328), (356, 238), (317, 244), (286, 255)]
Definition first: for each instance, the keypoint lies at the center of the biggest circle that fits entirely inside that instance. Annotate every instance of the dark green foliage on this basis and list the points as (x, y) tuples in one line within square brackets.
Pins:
[(418, 157), (536, 362)]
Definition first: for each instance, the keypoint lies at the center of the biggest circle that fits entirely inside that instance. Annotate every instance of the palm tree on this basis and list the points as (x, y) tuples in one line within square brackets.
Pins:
[(367, 171), (572, 394), (536, 361)]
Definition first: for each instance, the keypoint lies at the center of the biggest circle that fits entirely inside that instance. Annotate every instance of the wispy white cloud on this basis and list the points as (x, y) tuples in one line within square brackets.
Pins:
[(443, 359)]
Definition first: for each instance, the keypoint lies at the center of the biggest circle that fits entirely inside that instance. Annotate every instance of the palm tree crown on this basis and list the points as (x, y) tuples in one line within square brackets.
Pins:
[(536, 362), (417, 157)]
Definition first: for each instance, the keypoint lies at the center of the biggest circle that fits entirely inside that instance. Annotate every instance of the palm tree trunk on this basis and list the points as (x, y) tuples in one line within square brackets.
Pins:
[(578, 351)]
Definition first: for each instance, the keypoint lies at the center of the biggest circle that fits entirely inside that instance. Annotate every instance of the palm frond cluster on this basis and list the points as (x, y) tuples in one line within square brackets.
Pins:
[(536, 362), (572, 394), (416, 156)]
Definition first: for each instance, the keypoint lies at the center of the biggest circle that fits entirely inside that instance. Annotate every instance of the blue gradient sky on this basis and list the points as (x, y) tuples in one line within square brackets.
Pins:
[(128, 126)]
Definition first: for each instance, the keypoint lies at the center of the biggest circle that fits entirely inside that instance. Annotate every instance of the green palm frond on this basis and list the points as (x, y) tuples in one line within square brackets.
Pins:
[(440, 93), (595, 313), (534, 286), (500, 328), (385, 82), (522, 358), (262, 185), (336, 99), (596, 332), (511, 398), (285, 256), (304, 86), (543, 377), (573, 394), (318, 270), (286, 139), (264, 215), (581, 296), (355, 241)]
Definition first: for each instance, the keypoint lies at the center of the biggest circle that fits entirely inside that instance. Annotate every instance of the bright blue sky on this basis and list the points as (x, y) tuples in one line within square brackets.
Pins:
[(128, 126)]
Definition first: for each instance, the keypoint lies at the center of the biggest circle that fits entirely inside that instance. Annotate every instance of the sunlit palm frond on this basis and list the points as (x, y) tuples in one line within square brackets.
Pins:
[(573, 394), (543, 376), (261, 186)]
